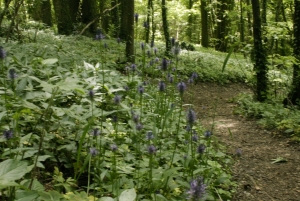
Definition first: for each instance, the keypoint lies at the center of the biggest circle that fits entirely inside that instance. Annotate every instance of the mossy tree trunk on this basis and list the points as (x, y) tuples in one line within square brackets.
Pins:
[(204, 24), (260, 58), (166, 27), (104, 20), (294, 95)]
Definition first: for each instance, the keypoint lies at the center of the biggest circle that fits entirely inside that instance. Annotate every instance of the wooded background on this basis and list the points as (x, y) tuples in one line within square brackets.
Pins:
[(255, 28)]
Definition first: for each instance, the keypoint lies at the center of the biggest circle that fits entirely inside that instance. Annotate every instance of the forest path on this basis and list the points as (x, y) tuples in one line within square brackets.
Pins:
[(258, 178)]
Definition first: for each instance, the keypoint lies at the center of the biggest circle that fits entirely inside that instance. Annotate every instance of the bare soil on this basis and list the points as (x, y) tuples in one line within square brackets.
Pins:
[(258, 178)]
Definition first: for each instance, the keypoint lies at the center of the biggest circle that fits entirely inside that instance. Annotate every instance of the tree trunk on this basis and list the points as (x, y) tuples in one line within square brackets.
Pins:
[(260, 59), (89, 12), (13, 24), (190, 21), (165, 27), (127, 31), (41, 11), (242, 24), (124, 21), (5, 10), (204, 24), (221, 30), (115, 18), (249, 17), (294, 95), (104, 20), (147, 29), (46, 12), (65, 14), (152, 22)]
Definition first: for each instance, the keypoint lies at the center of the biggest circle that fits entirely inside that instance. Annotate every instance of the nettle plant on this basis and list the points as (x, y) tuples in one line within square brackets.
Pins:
[(82, 130)]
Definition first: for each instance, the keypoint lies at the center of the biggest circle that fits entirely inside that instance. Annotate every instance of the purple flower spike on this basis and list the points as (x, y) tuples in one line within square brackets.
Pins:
[(191, 116), (94, 151), (151, 149), (197, 189), (7, 134), (201, 149), (181, 87), (162, 86), (114, 147)]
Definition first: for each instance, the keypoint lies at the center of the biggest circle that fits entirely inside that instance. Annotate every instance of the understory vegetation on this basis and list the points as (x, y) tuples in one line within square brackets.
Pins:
[(78, 124)]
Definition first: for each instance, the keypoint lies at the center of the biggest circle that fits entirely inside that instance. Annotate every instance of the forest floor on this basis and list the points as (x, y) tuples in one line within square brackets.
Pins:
[(258, 178)]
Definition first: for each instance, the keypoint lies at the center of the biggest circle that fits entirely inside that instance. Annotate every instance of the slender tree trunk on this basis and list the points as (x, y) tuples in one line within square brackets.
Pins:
[(260, 58), (152, 22), (190, 21), (204, 24), (115, 18), (249, 17), (166, 27), (147, 29), (124, 21), (294, 95), (242, 24), (221, 30), (212, 19), (129, 6)]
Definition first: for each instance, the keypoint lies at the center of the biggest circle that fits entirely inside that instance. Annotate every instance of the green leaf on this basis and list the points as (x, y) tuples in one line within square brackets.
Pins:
[(106, 199), (171, 171), (128, 195), (50, 196), (227, 58), (36, 185), (23, 195), (5, 184), (50, 61), (11, 170), (2, 114)]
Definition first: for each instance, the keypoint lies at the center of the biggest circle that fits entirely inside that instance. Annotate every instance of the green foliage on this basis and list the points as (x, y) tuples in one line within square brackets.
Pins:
[(271, 115), (209, 64), (10, 171), (53, 114)]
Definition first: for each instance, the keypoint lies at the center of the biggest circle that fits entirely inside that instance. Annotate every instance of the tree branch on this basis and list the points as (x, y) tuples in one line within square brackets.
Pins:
[(100, 15)]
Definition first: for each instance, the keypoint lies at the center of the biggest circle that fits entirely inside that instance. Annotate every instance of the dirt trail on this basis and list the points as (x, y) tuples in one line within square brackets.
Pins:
[(259, 179)]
